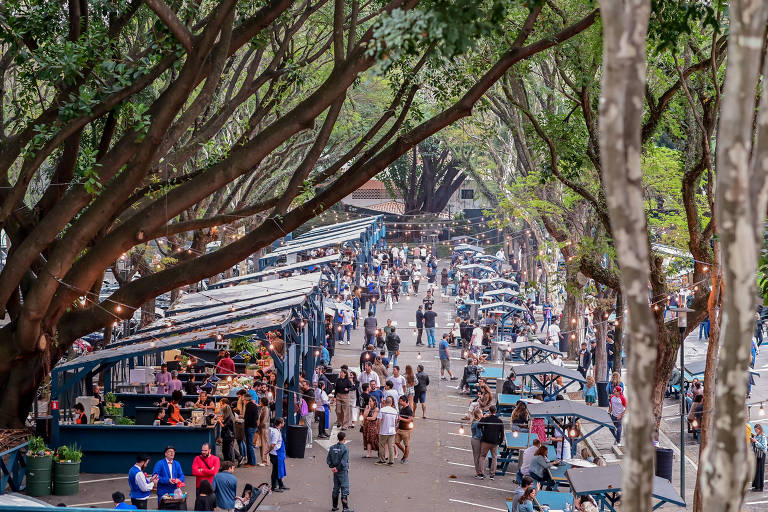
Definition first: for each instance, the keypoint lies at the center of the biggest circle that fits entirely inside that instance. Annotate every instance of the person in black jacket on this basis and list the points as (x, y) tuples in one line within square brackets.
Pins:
[(419, 325), (343, 405), (585, 360), (492, 429), (420, 390), (393, 346), (251, 425)]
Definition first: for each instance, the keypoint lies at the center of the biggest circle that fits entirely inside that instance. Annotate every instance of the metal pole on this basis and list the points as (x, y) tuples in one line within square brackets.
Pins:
[(682, 412)]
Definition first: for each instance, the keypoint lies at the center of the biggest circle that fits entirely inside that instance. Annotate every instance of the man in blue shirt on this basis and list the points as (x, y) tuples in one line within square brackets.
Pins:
[(169, 473), (225, 486), (445, 358), (119, 500)]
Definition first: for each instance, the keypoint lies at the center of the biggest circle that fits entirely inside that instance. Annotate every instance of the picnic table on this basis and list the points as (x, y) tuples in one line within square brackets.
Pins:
[(492, 373), (506, 403), (532, 352), (553, 411), (549, 389), (604, 484), (554, 500)]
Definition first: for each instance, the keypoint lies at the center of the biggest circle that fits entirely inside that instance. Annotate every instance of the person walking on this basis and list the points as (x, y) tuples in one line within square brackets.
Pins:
[(225, 486), (476, 440), (338, 461), (277, 456), (585, 360), (493, 435), (410, 385), (420, 389), (204, 466), (347, 319), (445, 359), (419, 325), (616, 408), (140, 484), (392, 342), (369, 328), (387, 420), (429, 323)]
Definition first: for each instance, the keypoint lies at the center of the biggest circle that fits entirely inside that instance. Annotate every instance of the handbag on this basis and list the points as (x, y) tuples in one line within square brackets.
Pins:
[(256, 439)]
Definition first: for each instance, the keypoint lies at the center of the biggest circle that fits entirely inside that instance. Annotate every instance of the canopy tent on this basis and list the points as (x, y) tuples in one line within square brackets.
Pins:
[(367, 232), (499, 281), (490, 257), (259, 276), (507, 306), (550, 388), (471, 267), (501, 291), (604, 484), (468, 248), (570, 409), (533, 352), (696, 369)]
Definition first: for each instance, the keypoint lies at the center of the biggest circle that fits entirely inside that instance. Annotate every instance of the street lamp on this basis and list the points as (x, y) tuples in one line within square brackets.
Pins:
[(682, 323)]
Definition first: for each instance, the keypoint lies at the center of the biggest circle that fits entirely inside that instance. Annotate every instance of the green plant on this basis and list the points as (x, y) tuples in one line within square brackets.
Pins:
[(122, 420), (36, 447), (69, 453), (110, 398), (242, 344)]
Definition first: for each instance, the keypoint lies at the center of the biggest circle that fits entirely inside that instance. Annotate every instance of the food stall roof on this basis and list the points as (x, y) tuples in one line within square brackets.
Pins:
[(498, 280), (525, 345), (502, 305), (557, 408), (254, 325), (476, 266), (501, 291), (325, 260), (322, 230), (467, 247), (325, 236), (232, 295)]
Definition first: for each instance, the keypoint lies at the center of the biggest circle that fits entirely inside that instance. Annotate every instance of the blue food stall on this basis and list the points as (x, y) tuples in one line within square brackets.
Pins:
[(199, 319)]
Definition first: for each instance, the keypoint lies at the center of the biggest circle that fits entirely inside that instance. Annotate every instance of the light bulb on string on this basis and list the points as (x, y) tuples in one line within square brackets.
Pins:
[(515, 433), (761, 412), (461, 430)]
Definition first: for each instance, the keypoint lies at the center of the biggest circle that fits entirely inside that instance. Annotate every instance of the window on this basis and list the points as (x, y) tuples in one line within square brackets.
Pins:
[(467, 193)]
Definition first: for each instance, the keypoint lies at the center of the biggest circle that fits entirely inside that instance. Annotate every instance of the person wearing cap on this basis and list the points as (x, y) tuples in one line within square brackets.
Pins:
[(169, 474), (338, 462)]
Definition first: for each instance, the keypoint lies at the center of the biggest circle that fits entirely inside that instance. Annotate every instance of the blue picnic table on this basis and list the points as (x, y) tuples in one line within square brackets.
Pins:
[(506, 403), (554, 500), (492, 373)]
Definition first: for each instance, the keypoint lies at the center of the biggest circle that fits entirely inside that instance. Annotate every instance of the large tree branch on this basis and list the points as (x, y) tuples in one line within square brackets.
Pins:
[(174, 24)]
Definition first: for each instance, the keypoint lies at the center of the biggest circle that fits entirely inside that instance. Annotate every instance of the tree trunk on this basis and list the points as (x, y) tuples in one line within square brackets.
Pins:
[(599, 314), (147, 313), (726, 465), (625, 24), (19, 388), (618, 334), (571, 322), (667, 348)]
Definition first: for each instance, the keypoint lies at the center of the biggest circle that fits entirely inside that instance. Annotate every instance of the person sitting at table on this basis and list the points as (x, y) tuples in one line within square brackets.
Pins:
[(162, 380), (525, 461), (471, 374), (525, 484), (540, 467), (80, 417), (484, 396), (585, 503), (525, 502), (160, 416), (204, 401), (226, 364), (509, 387), (519, 417), (174, 409)]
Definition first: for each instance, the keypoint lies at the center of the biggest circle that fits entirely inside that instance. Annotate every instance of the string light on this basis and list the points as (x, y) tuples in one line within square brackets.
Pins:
[(761, 412), (461, 430)]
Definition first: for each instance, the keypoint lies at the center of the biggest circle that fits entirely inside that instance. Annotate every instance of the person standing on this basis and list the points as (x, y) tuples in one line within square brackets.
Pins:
[(420, 389), (140, 484), (338, 462), (616, 408), (476, 440), (398, 381), (476, 342), (225, 486), (393, 346), (370, 325), (387, 420), (347, 319), (404, 428), (546, 311), (322, 410), (760, 447), (419, 325), (585, 360), (277, 456), (342, 387), (263, 432), (169, 474), (204, 466), (162, 380), (251, 426), (429, 324), (445, 359), (493, 435)]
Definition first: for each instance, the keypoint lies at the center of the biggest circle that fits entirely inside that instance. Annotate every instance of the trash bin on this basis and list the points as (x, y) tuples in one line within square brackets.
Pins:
[(39, 475), (664, 459), (564, 344), (602, 394), (66, 478), (295, 441)]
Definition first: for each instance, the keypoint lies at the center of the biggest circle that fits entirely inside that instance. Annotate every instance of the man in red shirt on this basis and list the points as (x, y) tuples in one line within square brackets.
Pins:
[(205, 466), (226, 364)]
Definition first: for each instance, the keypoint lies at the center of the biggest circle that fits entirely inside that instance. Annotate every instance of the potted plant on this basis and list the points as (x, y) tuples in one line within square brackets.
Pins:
[(39, 465), (66, 477), (113, 408)]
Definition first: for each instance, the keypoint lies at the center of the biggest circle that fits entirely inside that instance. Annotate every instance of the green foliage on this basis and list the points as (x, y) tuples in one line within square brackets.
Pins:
[(673, 19), (69, 453), (122, 420), (36, 446), (110, 398), (243, 344)]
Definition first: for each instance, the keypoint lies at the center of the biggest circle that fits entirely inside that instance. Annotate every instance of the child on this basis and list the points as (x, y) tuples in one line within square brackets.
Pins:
[(590, 391)]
